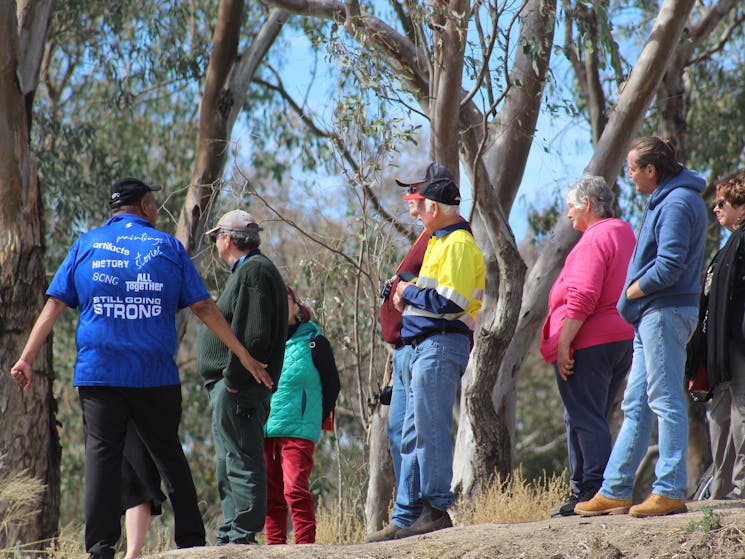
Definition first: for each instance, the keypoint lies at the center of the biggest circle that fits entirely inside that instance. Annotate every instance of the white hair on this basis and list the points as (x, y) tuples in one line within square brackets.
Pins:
[(444, 208), (595, 189)]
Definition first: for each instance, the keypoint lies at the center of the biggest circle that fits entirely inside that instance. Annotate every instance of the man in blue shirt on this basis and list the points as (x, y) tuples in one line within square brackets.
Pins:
[(660, 301), (128, 279)]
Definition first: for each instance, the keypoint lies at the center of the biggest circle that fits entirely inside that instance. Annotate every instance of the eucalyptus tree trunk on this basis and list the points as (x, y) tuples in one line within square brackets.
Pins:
[(622, 127), (229, 74), (28, 439), (496, 163), (380, 488)]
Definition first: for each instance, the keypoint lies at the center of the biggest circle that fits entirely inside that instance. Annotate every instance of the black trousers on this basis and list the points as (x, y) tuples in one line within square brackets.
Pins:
[(140, 477), (156, 413)]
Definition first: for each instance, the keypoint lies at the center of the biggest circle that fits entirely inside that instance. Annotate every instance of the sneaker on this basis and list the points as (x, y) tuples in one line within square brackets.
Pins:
[(390, 532), (600, 504), (430, 520), (567, 507), (657, 505)]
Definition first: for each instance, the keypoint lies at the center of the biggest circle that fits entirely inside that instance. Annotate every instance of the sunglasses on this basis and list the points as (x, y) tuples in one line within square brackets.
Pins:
[(413, 190), (215, 235), (718, 205)]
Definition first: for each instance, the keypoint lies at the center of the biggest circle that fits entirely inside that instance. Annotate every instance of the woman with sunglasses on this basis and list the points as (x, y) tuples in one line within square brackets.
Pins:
[(723, 303)]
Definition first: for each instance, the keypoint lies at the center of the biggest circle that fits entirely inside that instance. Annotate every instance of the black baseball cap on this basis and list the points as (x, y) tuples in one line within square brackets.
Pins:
[(426, 173), (128, 190), (442, 190)]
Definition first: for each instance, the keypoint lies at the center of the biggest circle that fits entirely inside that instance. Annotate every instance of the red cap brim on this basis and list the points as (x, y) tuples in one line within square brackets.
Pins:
[(414, 196)]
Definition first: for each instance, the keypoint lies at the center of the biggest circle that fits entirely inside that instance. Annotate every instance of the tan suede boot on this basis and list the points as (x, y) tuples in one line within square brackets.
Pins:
[(600, 504), (657, 505)]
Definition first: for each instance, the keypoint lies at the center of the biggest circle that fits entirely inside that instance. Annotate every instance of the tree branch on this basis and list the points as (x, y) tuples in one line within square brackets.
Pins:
[(340, 144), (404, 57), (721, 41), (249, 61), (252, 191)]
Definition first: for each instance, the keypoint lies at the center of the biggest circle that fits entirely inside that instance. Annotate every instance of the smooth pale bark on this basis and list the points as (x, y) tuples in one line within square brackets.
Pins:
[(380, 489), (622, 127), (228, 76), (674, 91), (28, 440), (484, 442), (449, 42)]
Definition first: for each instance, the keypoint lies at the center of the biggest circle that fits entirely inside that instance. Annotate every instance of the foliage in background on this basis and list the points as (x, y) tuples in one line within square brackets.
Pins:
[(121, 95), (118, 97)]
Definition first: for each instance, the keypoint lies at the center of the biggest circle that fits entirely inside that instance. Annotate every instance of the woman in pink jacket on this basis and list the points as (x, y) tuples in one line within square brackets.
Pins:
[(588, 343)]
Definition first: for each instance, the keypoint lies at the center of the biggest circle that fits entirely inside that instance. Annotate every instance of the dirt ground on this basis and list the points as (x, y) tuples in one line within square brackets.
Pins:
[(710, 530)]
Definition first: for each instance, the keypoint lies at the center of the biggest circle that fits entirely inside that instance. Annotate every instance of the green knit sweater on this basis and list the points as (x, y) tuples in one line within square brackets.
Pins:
[(254, 302)]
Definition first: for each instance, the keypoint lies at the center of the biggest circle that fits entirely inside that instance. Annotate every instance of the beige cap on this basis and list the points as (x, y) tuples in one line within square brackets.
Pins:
[(237, 221)]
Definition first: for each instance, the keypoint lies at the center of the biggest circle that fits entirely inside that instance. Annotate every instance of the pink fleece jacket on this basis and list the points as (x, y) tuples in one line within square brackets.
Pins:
[(588, 289)]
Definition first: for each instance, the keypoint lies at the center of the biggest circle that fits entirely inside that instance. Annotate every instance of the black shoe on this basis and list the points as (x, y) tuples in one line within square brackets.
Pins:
[(430, 520), (567, 507)]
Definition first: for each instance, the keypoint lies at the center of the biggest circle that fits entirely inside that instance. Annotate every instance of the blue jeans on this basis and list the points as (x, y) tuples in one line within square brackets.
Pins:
[(588, 396), (427, 442), (654, 391), (397, 410)]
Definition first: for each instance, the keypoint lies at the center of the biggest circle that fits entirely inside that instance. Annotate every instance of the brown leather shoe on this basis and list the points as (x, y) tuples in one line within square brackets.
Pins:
[(430, 520), (390, 532), (657, 505), (600, 504)]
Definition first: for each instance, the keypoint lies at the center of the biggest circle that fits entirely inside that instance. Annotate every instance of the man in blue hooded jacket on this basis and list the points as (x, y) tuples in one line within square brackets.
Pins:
[(661, 302)]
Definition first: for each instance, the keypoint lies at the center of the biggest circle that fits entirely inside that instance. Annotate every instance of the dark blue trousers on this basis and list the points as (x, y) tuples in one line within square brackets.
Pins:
[(588, 396)]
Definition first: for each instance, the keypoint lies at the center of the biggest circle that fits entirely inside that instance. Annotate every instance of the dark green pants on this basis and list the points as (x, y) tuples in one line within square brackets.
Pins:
[(238, 430)]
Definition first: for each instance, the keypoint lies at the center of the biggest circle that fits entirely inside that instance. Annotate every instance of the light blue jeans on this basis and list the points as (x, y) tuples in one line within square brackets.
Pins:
[(397, 410), (396, 415), (427, 440), (654, 392)]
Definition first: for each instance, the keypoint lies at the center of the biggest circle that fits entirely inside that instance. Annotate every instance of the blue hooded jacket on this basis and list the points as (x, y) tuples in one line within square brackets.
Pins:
[(669, 251)]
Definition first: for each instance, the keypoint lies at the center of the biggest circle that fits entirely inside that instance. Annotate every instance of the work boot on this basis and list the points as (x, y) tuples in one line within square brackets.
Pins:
[(430, 520), (390, 532), (657, 505), (600, 504)]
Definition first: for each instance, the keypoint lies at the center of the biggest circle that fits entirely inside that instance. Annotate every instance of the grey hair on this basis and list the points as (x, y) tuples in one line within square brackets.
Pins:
[(245, 240), (596, 189), (445, 209)]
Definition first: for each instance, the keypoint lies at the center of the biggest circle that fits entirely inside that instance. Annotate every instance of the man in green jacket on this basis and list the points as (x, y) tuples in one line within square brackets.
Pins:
[(254, 302)]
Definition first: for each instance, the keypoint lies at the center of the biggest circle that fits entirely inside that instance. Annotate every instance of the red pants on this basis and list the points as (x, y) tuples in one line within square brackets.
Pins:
[(288, 465)]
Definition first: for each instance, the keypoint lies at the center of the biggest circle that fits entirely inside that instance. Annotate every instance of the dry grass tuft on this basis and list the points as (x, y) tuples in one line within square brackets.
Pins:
[(514, 500), (335, 527), (20, 499)]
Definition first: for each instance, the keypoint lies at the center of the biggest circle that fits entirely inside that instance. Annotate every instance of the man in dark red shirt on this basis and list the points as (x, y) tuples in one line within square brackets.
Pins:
[(390, 322)]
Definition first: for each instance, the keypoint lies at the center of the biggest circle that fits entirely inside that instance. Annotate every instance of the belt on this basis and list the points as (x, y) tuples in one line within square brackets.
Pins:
[(416, 340)]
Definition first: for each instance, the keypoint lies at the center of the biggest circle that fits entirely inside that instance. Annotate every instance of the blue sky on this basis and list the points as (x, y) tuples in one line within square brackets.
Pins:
[(560, 151)]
